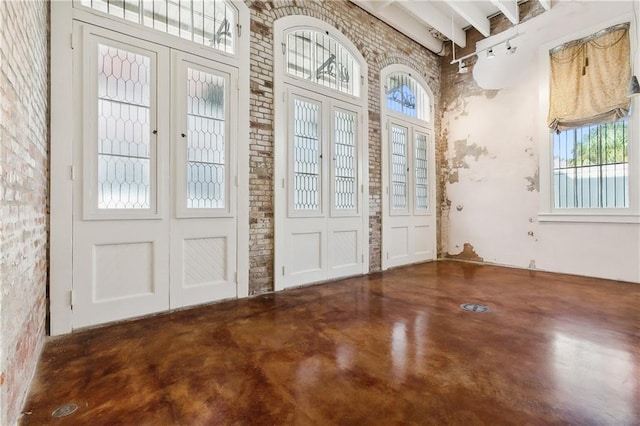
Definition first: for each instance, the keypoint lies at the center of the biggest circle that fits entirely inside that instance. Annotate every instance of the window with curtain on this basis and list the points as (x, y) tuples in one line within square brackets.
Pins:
[(589, 114), (589, 79)]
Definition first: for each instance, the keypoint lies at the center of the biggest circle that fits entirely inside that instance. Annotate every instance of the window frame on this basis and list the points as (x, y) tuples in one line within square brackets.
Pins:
[(77, 5), (547, 211)]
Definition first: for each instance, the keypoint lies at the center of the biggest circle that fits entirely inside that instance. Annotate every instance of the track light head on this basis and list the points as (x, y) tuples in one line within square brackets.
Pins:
[(490, 54), (511, 49), (462, 68)]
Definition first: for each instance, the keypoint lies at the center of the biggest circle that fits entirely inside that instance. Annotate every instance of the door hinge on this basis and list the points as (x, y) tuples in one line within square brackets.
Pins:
[(362, 80), (72, 173), (283, 182), (72, 40), (283, 270), (362, 261), (284, 48), (71, 298), (239, 30), (235, 277), (362, 188)]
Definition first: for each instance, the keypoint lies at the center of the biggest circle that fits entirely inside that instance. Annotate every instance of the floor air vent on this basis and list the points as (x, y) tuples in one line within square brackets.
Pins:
[(472, 307), (64, 410)]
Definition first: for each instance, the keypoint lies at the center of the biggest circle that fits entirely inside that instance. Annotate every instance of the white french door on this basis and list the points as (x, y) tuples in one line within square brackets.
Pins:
[(154, 220), (319, 224), (408, 224)]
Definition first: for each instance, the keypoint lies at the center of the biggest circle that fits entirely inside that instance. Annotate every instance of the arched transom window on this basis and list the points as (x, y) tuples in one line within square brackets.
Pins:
[(209, 23), (317, 57), (406, 96)]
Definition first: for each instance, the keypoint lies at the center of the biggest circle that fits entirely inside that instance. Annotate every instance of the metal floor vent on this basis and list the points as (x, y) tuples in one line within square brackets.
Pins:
[(473, 307), (64, 410)]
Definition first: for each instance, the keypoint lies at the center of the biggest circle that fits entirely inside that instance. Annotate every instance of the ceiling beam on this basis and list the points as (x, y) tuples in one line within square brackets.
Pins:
[(546, 4), (472, 14), (379, 5), (509, 8), (404, 22), (433, 17)]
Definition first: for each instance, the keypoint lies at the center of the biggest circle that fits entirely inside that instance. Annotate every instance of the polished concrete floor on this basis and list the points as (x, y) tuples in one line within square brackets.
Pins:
[(391, 348)]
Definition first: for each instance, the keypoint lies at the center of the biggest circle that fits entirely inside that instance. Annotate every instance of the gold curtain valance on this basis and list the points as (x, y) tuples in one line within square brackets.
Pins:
[(589, 79)]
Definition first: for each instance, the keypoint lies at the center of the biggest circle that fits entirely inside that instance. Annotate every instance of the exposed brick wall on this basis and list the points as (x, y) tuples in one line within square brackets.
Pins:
[(380, 45), (24, 92)]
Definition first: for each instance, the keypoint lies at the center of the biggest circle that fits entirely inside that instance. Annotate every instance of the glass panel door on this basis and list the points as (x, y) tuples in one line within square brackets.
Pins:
[(307, 153), (206, 142), (124, 128), (399, 168)]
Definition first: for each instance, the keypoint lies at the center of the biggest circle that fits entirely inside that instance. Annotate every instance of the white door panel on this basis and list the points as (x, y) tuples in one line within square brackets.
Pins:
[(154, 224), (121, 271), (203, 230), (319, 224), (120, 224), (408, 224), (345, 248), (203, 263)]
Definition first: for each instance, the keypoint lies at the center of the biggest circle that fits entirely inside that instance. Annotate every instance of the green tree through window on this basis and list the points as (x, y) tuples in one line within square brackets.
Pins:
[(602, 144)]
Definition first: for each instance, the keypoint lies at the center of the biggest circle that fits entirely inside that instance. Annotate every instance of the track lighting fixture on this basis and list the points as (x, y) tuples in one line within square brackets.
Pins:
[(462, 68), (510, 49), (490, 54)]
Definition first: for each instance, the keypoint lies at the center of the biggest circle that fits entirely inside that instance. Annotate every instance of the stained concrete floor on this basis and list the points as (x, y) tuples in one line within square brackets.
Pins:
[(389, 348)]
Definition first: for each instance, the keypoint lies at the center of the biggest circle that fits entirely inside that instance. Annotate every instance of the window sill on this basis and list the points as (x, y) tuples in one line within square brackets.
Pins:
[(588, 218)]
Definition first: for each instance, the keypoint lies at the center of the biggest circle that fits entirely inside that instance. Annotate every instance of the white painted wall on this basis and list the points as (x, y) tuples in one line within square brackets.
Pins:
[(495, 202)]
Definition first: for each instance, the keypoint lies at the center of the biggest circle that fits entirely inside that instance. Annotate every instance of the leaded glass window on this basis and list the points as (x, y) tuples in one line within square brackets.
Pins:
[(124, 129), (306, 156), (345, 160), (315, 56), (399, 170), (406, 96), (421, 171), (210, 23), (206, 146)]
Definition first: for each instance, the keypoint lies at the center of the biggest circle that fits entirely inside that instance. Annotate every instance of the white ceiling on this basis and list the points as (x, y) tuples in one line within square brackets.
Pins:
[(449, 18)]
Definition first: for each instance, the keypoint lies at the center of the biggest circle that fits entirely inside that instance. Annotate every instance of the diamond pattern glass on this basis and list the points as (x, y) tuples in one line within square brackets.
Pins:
[(207, 22), (206, 145), (345, 161), (317, 57), (406, 96), (306, 156), (398, 167), (124, 132), (422, 172)]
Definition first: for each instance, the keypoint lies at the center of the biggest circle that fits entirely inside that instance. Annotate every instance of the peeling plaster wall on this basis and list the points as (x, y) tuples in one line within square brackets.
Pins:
[(491, 180)]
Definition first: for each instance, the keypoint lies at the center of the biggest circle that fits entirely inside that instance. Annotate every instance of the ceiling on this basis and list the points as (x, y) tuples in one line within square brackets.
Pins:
[(430, 21)]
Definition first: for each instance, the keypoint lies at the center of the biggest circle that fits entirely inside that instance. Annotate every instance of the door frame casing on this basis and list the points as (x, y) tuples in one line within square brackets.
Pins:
[(63, 122), (281, 109), (386, 117)]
